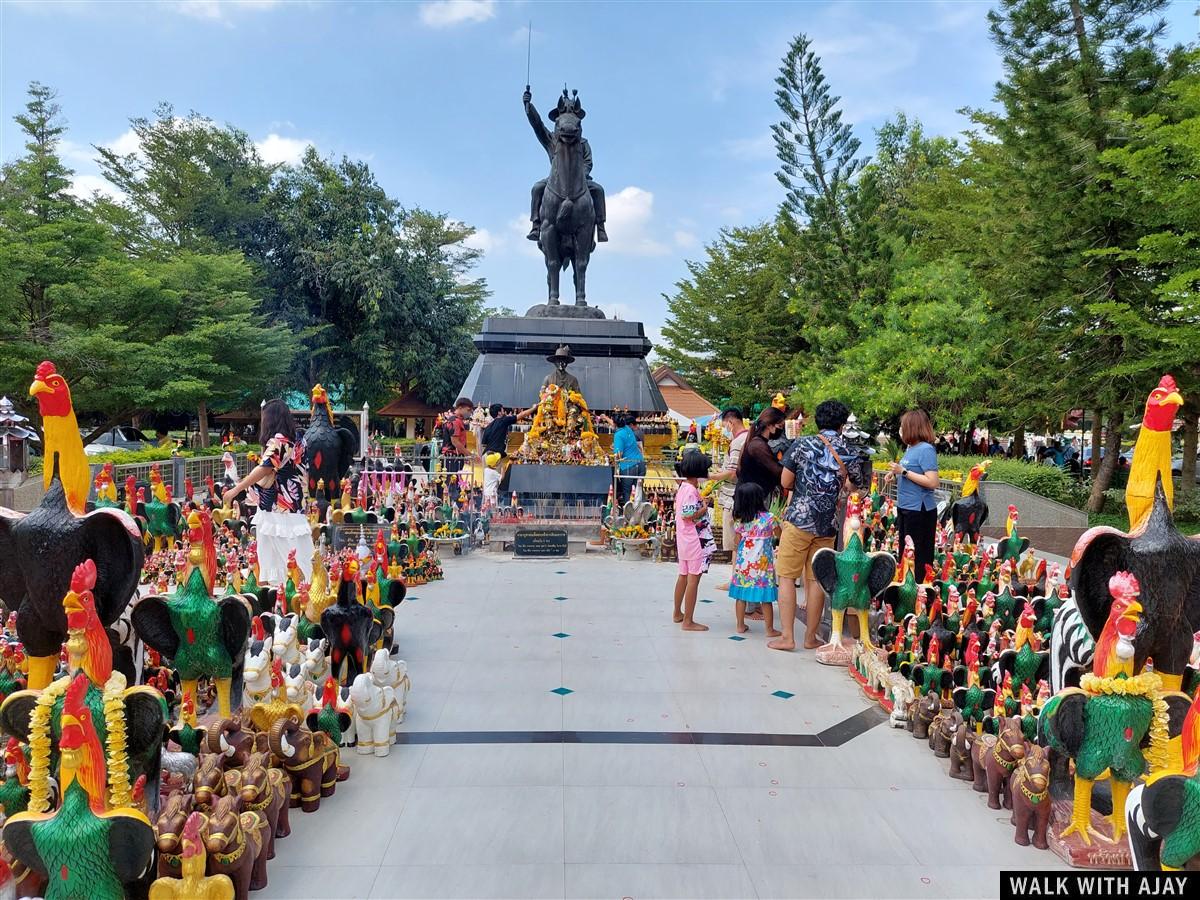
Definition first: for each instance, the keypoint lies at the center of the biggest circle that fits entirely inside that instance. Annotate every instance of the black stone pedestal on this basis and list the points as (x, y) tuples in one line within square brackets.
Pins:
[(554, 492), (610, 361)]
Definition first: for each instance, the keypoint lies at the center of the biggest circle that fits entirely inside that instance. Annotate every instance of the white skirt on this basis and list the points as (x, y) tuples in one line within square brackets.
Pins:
[(278, 534)]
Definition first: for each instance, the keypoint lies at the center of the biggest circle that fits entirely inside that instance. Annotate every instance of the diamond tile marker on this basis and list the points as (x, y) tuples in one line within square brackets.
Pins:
[(783, 695), (561, 634), (736, 637), (562, 691), (705, 600), (560, 599)]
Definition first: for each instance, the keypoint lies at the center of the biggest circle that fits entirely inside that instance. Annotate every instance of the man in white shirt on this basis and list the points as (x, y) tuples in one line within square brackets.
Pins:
[(737, 432)]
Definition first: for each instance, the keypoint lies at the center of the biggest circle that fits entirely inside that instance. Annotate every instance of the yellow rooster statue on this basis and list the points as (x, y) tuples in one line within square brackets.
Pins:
[(1152, 453)]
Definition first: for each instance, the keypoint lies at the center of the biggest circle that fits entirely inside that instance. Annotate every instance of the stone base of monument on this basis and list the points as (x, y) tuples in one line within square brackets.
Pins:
[(610, 360), (838, 655), (563, 311)]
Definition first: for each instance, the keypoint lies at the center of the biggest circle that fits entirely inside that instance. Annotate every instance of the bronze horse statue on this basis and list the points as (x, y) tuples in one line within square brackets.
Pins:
[(567, 214)]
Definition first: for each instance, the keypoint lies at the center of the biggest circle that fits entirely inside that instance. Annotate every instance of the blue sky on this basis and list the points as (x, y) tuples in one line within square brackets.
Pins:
[(679, 99)]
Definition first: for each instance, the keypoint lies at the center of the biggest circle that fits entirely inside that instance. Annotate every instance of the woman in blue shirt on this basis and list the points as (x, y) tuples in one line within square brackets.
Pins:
[(631, 464), (918, 478)]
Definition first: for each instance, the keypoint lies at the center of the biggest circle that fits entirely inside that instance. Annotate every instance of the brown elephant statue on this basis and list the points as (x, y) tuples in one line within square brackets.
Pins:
[(234, 744), (923, 715), (168, 827), (266, 791), (962, 765), (942, 731), (310, 758), (236, 845), (1029, 788), (995, 758)]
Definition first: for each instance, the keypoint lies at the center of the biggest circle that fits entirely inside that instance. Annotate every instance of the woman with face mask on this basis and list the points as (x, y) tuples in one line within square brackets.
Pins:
[(758, 461)]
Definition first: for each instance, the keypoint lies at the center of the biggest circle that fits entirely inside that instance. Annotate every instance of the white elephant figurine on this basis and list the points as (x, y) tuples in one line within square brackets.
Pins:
[(390, 673), (902, 696), (374, 711)]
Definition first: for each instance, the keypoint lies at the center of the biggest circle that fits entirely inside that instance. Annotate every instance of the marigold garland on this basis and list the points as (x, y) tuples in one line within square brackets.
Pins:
[(119, 787), (120, 791)]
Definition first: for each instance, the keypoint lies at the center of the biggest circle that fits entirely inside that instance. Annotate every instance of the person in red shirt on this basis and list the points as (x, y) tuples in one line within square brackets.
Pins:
[(454, 450)]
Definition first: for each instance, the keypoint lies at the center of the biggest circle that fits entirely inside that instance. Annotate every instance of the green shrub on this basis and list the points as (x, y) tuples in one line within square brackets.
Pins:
[(151, 454), (1050, 482)]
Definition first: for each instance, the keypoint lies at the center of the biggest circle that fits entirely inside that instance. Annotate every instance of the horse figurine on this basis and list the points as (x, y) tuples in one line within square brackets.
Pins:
[(995, 758), (1029, 787), (923, 714)]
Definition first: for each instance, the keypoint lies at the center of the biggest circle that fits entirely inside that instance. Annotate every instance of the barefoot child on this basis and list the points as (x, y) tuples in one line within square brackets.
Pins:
[(691, 513), (754, 569)]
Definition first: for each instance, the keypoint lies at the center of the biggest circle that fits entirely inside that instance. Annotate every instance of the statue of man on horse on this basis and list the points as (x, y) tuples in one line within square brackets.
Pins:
[(567, 208)]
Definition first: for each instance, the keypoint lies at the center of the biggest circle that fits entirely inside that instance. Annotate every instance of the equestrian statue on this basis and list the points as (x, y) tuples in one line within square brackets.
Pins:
[(567, 208)]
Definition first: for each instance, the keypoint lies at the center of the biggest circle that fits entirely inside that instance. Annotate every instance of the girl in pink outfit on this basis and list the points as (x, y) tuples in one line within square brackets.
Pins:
[(691, 514)]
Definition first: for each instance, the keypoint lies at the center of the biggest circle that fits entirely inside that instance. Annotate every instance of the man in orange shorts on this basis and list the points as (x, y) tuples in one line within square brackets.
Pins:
[(814, 470)]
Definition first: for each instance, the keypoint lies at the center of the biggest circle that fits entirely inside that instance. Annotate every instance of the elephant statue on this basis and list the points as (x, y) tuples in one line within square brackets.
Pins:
[(374, 713), (265, 790), (310, 759), (390, 673)]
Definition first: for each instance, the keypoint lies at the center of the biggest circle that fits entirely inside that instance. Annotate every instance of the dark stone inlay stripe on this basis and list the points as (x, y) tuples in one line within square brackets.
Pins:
[(834, 736)]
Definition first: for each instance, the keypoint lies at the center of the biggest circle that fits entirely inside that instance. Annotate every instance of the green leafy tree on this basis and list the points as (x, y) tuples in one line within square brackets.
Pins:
[(382, 296), (730, 330)]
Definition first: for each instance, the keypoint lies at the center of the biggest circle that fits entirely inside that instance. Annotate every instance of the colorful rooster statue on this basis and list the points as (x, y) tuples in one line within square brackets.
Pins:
[(328, 449), (1166, 563), (329, 717), (851, 578), (202, 637), (1102, 723), (39, 551), (969, 513), (1012, 545), (901, 594), (1024, 660), (1152, 453), (106, 488), (14, 791), (85, 850)]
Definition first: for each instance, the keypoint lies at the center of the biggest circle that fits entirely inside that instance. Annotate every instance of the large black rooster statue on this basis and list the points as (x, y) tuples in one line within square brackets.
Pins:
[(39, 551), (328, 450)]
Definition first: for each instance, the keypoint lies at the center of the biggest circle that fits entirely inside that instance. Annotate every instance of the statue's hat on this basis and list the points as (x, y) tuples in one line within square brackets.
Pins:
[(562, 354)]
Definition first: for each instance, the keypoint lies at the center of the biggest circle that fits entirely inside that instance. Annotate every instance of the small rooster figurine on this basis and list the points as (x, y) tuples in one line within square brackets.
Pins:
[(192, 883)]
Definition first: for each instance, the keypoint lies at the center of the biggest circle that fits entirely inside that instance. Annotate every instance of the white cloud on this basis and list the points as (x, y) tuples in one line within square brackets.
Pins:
[(448, 13), (84, 186), (630, 212), (483, 240), (686, 240), (518, 228), (275, 148), (126, 144), (76, 154)]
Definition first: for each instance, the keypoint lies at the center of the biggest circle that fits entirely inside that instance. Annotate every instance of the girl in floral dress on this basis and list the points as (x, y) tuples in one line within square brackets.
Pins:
[(754, 570)]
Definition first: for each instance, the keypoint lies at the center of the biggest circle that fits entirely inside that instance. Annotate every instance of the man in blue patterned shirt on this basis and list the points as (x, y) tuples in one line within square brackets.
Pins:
[(813, 470)]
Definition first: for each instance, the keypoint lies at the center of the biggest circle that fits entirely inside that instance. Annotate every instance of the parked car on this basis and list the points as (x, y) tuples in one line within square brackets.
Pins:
[(1177, 466), (123, 437), (1122, 463)]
